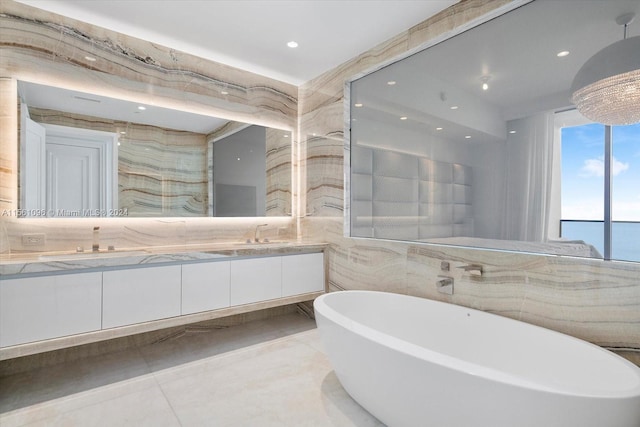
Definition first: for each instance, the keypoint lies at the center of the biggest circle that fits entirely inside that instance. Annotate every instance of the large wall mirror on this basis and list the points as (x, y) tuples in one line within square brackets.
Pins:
[(85, 155), (474, 141)]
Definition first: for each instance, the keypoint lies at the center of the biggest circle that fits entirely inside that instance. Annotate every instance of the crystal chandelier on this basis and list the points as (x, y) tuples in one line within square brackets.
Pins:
[(607, 87)]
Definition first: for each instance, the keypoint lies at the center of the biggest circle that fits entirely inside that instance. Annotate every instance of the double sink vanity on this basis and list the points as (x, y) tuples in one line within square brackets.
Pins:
[(54, 300)]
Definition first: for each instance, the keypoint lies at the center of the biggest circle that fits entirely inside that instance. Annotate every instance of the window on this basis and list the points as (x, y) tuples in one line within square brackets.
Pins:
[(584, 180)]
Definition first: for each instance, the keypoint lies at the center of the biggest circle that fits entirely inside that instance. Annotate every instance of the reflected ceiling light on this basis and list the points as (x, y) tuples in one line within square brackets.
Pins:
[(562, 54), (512, 131), (607, 87), (438, 128), (454, 107), (224, 92), (467, 136), (90, 58), (358, 105), (391, 82), (403, 118), (485, 82), (292, 44), (141, 108)]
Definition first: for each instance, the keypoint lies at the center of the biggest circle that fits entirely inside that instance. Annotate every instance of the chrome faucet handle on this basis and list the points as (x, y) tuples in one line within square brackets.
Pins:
[(473, 269), (96, 239), (255, 235)]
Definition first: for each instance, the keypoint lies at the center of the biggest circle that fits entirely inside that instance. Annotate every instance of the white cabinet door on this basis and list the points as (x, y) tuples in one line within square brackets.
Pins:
[(205, 286), (257, 279), (140, 295), (302, 274), (39, 308)]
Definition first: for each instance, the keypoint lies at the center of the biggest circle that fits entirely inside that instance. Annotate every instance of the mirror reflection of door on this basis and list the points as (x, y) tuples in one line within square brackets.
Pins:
[(76, 175), (79, 171)]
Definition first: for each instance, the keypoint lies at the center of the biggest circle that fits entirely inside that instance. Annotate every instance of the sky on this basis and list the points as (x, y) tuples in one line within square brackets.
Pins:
[(583, 173)]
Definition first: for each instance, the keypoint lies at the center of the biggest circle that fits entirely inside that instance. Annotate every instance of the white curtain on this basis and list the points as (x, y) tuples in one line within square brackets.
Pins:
[(528, 178)]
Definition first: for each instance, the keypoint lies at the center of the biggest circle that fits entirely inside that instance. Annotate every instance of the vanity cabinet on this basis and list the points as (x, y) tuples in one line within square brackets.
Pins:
[(39, 308), (205, 286), (140, 294), (302, 274), (148, 297), (256, 279)]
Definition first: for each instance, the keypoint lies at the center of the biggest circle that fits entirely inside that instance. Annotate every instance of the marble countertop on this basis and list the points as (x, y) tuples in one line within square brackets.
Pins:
[(67, 261)]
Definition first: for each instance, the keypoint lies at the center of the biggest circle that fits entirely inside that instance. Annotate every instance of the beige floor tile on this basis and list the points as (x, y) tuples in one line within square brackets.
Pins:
[(265, 373)]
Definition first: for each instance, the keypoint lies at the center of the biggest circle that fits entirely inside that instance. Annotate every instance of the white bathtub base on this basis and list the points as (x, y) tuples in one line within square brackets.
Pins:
[(401, 389)]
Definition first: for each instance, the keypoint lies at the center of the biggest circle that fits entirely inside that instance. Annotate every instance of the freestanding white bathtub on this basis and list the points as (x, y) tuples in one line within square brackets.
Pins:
[(415, 362)]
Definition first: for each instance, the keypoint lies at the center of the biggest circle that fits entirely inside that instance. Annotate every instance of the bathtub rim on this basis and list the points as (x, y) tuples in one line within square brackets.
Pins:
[(472, 368)]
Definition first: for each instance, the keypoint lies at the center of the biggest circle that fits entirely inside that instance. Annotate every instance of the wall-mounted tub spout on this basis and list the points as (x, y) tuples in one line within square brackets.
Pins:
[(445, 285)]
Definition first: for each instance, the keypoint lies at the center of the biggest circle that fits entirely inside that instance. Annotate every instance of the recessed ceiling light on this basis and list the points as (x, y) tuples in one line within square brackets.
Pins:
[(562, 54), (485, 82), (90, 58), (391, 82), (141, 108), (292, 44), (403, 118), (454, 107), (358, 105)]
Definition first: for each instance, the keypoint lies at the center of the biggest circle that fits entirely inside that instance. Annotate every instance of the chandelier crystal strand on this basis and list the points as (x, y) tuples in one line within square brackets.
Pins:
[(614, 100), (606, 89)]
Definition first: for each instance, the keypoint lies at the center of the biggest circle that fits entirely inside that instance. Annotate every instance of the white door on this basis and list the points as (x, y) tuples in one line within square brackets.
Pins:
[(81, 172), (73, 179)]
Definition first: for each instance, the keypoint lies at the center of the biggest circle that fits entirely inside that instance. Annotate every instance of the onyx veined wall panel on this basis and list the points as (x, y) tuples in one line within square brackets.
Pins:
[(45, 48)]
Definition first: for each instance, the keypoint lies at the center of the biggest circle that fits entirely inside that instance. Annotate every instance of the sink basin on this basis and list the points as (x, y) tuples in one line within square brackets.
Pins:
[(85, 255), (267, 243)]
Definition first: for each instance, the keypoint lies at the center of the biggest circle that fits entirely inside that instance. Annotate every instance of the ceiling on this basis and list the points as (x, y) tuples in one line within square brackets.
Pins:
[(517, 52), (253, 34)]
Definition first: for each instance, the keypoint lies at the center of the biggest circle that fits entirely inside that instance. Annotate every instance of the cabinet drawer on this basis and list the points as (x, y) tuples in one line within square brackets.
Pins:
[(40, 308), (140, 295), (254, 280), (205, 286), (302, 274)]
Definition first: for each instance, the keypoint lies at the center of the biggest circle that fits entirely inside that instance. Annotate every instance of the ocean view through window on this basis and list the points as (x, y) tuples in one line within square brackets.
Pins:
[(583, 182)]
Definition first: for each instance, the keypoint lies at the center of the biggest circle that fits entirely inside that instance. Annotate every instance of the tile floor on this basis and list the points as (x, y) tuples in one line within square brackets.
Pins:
[(263, 373)]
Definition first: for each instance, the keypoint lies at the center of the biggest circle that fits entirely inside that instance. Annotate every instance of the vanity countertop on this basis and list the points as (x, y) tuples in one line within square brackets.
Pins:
[(16, 265)]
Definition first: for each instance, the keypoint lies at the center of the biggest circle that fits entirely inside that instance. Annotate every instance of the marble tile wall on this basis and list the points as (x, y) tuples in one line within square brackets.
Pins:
[(595, 300), (45, 48)]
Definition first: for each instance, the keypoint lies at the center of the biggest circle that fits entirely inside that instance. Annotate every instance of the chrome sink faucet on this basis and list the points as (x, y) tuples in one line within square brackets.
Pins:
[(256, 239)]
